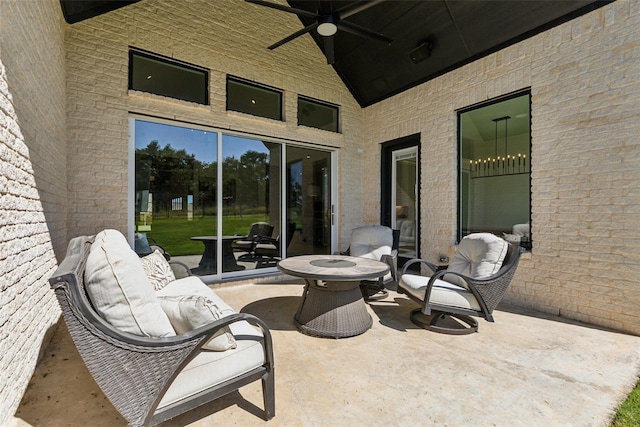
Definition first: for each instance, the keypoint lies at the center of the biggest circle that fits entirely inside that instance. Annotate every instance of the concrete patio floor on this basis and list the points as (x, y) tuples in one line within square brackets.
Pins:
[(526, 369)]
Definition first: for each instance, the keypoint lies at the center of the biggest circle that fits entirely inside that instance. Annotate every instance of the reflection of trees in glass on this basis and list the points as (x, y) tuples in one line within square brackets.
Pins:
[(170, 173), (246, 182), (294, 192)]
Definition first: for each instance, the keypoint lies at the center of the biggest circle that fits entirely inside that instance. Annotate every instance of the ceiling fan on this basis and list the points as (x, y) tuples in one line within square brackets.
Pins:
[(328, 22)]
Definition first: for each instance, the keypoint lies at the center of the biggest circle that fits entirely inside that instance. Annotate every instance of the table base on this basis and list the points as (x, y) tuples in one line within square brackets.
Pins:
[(332, 309)]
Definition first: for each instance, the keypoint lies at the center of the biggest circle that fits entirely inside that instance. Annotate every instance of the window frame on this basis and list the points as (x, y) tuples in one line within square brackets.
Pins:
[(260, 86), (516, 94), (321, 104), (285, 145), (172, 62)]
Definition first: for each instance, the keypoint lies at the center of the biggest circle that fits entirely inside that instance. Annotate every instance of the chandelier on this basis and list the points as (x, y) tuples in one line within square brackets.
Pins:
[(507, 164)]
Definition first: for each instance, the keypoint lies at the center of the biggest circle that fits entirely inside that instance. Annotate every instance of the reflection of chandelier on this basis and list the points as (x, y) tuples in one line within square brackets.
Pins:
[(509, 164)]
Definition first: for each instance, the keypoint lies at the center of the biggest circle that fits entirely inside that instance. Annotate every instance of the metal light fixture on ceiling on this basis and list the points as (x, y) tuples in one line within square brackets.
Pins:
[(499, 165), (499, 119), (327, 26), (327, 20)]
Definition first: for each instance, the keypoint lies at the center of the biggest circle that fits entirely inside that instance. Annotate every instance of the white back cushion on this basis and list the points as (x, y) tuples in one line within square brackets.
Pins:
[(479, 255), (371, 242), (120, 290)]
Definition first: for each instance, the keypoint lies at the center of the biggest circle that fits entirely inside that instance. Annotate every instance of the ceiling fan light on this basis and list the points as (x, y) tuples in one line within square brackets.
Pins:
[(327, 27)]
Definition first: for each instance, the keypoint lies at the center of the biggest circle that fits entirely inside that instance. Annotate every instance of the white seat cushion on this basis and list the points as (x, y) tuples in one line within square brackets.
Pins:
[(479, 256), (442, 293), (210, 367), (213, 367), (120, 290)]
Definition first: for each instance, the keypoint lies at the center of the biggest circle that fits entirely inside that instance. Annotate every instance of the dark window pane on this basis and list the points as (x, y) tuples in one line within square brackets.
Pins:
[(167, 78), (254, 99), (317, 114), (495, 159)]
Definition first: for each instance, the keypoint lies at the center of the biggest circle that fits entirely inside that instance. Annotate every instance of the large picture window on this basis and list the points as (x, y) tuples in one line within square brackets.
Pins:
[(494, 169), (227, 204)]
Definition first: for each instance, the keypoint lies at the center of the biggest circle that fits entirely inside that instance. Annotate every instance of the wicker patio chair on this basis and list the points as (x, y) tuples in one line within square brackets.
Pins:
[(135, 372), (268, 251), (248, 243), (472, 285), (380, 243)]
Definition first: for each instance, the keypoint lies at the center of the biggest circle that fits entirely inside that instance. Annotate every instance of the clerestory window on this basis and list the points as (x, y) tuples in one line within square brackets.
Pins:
[(168, 77)]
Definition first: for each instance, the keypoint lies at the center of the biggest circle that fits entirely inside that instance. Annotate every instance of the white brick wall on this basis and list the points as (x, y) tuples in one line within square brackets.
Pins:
[(585, 83), (216, 35), (32, 186), (583, 78)]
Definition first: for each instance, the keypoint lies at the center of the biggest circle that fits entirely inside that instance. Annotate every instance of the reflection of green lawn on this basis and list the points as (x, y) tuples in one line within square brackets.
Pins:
[(174, 234)]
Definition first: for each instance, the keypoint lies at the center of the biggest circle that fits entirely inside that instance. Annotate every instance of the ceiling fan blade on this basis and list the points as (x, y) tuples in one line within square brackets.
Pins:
[(283, 8), (294, 36), (354, 8), (352, 28), (329, 51)]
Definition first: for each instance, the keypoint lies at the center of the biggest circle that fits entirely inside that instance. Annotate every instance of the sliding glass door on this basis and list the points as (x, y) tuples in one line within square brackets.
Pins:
[(309, 210), (222, 203)]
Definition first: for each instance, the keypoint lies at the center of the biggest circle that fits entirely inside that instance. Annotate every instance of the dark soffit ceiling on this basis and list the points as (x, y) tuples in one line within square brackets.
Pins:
[(460, 31)]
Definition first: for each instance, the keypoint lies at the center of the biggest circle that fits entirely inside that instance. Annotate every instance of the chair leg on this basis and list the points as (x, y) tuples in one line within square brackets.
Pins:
[(370, 293), (445, 323), (268, 395)]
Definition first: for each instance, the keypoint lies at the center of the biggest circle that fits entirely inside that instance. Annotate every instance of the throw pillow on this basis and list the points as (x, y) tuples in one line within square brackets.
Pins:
[(120, 290), (158, 270), (191, 312)]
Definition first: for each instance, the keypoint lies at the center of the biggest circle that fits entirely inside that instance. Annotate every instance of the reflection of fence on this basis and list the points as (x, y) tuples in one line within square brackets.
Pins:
[(176, 204)]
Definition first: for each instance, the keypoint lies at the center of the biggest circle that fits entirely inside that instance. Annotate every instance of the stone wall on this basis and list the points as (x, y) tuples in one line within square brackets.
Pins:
[(584, 77), (32, 186), (61, 83), (215, 35)]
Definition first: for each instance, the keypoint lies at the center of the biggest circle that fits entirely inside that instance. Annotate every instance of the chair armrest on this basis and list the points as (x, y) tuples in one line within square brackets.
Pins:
[(210, 329), (392, 260), (180, 269), (265, 239), (346, 252), (409, 263)]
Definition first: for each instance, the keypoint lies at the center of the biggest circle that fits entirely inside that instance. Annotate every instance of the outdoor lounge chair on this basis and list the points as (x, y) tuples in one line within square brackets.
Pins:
[(472, 285), (257, 231), (267, 249), (159, 373), (380, 243)]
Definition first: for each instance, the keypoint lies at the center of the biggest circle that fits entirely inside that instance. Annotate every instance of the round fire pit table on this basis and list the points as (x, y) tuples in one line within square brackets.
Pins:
[(332, 303)]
